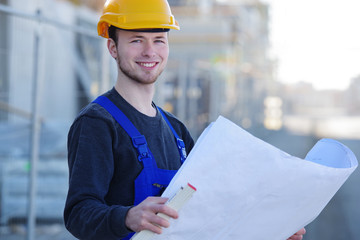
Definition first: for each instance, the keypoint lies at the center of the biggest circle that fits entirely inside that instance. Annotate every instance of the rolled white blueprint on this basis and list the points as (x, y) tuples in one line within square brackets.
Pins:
[(249, 189)]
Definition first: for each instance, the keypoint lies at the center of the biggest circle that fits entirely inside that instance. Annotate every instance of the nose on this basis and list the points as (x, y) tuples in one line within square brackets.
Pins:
[(148, 50)]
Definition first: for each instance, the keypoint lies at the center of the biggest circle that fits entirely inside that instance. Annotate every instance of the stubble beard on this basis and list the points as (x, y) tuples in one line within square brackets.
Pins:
[(133, 76)]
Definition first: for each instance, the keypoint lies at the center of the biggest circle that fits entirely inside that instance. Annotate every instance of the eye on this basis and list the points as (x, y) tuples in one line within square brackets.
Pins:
[(160, 41), (135, 41)]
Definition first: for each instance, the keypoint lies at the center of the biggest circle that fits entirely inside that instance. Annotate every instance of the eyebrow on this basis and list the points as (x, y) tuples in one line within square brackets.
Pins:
[(141, 36)]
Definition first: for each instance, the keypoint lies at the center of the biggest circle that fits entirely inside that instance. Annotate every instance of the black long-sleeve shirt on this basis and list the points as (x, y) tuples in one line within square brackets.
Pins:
[(103, 165)]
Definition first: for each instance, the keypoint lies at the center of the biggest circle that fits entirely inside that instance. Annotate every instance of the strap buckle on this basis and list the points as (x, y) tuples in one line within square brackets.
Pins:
[(140, 144), (181, 146)]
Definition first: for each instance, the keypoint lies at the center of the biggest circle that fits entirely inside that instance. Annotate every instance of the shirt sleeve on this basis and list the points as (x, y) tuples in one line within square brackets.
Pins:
[(91, 167)]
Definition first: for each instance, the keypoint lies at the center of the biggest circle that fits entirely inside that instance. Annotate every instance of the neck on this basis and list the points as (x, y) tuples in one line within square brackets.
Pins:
[(138, 95)]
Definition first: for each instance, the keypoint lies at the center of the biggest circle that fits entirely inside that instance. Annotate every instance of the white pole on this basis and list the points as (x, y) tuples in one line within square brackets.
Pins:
[(35, 136)]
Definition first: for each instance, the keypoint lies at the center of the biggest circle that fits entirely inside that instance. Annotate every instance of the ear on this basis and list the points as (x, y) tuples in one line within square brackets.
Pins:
[(112, 47)]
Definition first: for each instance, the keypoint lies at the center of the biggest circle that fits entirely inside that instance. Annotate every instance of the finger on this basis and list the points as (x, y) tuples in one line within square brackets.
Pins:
[(296, 237), (158, 200), (160, 221), (153, 204), (168, 211), (301, 231), (152, 227)]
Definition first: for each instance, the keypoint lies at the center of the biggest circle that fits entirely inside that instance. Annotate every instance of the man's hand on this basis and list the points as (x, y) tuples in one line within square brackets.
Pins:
[(298, 235), (143, 216)]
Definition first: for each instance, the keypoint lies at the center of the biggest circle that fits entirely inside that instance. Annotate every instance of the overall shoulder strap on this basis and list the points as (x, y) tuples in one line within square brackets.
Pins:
[(138, 140), (179, 142)]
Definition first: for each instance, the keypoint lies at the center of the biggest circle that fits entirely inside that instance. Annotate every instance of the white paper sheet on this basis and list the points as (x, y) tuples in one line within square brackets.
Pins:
[(248, 189)]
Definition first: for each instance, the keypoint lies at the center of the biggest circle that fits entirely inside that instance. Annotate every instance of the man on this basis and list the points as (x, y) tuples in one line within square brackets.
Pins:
[(107, 170), (122, 149)]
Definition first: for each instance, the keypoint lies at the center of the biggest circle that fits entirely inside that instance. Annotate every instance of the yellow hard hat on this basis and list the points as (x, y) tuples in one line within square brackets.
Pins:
[(136, 14)]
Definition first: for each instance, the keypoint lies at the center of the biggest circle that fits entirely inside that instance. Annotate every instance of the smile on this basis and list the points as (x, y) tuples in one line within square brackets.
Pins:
[(148, 65)]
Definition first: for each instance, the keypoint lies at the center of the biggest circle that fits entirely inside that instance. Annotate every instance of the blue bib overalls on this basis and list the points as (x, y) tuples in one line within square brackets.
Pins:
[(152, 179)]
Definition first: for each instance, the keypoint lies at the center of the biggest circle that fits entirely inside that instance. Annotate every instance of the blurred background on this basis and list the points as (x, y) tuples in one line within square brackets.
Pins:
[(286, 71)]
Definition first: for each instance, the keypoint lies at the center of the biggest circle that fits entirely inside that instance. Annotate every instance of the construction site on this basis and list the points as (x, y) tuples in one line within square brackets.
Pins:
[(53, 63)]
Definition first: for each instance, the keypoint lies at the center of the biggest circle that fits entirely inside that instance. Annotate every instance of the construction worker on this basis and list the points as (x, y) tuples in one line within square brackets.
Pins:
[(123, 150)]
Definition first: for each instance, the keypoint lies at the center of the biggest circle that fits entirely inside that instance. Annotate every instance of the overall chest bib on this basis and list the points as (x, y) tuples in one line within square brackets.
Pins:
[(151, 180)]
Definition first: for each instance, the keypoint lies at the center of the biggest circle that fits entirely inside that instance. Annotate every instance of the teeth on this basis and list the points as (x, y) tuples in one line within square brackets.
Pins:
[(147, 64)]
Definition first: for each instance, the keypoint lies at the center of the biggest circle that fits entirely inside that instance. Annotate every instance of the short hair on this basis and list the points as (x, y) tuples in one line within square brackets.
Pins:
[(112, 33)]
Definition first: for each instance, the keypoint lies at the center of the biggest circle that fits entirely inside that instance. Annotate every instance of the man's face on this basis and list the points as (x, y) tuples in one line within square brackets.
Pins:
[(142, 56)]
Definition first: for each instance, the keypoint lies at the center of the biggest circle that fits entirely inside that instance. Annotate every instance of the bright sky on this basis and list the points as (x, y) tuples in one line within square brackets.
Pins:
[(316, 41)]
